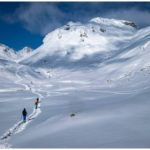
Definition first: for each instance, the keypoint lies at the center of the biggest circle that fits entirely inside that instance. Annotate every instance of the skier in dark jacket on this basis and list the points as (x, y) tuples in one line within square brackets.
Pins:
[(36, 103), (24, 114)]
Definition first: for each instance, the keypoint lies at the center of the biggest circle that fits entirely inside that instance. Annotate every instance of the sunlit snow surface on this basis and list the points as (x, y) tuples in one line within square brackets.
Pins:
[(109, 96)]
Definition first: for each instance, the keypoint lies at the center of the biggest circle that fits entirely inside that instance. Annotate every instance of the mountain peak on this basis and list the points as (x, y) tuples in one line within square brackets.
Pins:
[(10, 54), (114, 22), (7, 52), (3, 47), (26, 49)]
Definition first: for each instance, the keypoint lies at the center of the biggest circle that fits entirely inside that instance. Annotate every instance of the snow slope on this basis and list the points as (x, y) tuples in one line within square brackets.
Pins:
[(93, 82)]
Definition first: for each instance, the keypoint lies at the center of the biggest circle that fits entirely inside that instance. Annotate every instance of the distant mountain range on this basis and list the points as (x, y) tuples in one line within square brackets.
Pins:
[(10, 54)]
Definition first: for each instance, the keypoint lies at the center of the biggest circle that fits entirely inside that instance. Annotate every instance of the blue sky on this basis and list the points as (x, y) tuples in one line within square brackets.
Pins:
[(25, 23)]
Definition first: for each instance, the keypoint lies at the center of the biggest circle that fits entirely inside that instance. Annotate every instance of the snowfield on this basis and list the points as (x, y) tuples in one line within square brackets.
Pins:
[(93, 81)]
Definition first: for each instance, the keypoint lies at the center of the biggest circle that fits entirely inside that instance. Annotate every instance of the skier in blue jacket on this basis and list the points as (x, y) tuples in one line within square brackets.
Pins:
[(24, 114)]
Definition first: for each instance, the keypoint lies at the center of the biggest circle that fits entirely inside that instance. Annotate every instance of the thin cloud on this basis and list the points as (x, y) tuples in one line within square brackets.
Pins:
[(44, 17), (40, 17)]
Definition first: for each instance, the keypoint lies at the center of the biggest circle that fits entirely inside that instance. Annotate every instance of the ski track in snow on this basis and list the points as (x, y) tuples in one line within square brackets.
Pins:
[(17, 128), (20, 126), (20, 79), (25, 85)]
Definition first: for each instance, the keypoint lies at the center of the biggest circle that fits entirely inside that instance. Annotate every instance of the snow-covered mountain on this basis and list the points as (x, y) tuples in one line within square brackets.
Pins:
[(10, 54), (75, 42), (7, 53), (94, 44), (9, 59), (93, 82)]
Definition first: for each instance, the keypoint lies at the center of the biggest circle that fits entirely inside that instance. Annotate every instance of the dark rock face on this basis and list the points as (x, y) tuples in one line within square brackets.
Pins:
[(132, 24), (67, 27)]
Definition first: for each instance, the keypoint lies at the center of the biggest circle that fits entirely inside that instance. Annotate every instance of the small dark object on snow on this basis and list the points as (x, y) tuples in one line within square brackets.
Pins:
[(102, 30), (93, 30), (45, 61), (72, 115)]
